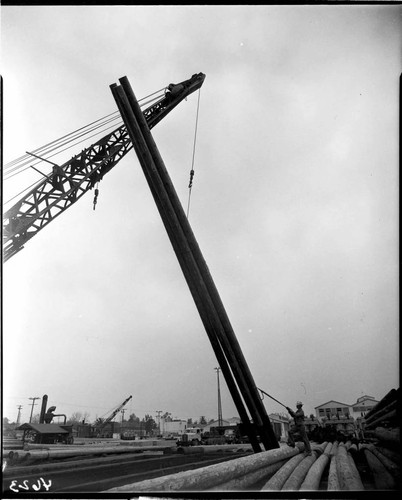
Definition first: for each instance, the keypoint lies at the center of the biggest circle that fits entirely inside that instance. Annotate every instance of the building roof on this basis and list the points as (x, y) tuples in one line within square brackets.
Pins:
[(359, 401), (224, 422), (235, 420), (365, 398), (332, 401), (43, 428)]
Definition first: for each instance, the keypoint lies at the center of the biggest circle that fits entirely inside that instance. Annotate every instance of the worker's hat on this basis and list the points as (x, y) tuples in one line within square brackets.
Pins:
[(299, 403)]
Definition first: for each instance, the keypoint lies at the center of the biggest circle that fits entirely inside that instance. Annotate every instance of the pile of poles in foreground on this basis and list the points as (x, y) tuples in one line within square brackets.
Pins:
[(331, 466)]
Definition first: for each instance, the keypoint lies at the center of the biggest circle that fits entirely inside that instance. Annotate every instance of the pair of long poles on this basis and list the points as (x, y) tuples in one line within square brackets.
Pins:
[(213, 315)]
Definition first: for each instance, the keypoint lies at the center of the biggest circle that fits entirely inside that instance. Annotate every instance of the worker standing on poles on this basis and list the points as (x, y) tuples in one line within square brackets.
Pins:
[(299, 428)]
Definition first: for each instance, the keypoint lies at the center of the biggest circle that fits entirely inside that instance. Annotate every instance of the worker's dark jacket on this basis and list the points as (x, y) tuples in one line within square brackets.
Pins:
[(298, 417)]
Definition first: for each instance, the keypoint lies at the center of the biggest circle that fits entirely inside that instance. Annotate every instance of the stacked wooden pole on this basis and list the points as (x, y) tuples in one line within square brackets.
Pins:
[(385, 469), (234, 475), (313, 476), (66, 452), (348, 475), (213, 315)]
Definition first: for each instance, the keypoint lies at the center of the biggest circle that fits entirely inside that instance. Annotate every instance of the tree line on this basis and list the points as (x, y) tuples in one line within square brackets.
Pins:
[(147, 423)]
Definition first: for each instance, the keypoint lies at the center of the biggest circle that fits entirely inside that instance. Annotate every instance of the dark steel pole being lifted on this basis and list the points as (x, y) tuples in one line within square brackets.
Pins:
[(228, 338), (205, 288), (234, 358), (183, 254)]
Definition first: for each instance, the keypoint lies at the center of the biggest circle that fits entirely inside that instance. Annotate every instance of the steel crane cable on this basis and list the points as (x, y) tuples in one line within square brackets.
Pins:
[(46, 146), (46, 150), (190, 185), (105, 120), (28, 162), (69, 138), (39, 161), (116, 113)]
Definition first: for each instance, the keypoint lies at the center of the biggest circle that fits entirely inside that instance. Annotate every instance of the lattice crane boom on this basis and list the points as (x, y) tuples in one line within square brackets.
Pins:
[(102, 423), (68, 182)]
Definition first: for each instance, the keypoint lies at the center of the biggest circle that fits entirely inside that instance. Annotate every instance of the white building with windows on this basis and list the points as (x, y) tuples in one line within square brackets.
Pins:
[(335, 409), (332, 409), (362, 406)]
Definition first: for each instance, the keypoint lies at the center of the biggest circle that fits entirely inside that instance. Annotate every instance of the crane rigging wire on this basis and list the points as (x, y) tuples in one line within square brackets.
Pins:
[(39, 161), (24, 162), (190, 185), (43, 148), (116, 113), (49, 150), (80, 131), (13, 171)]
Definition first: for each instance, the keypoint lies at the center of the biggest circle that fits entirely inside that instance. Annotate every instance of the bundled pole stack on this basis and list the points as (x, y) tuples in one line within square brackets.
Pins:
[(237, 375), (382, 430), (383, 421), (313, 477), (348, 475), (333, 481), (343, 473), (301, 472), (385, 470), (238, 474)]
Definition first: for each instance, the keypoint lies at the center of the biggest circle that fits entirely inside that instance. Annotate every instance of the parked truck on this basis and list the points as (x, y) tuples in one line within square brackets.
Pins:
[(192, 436)]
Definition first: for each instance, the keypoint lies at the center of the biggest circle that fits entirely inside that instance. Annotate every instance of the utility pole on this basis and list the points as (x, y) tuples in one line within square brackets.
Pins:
[(219, 399), (159, 420), (122, 420), (19, 415), (32, 404)]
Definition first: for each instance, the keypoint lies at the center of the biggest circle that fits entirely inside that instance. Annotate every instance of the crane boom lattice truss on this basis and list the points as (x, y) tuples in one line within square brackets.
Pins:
[(103, 423), (68, 182)]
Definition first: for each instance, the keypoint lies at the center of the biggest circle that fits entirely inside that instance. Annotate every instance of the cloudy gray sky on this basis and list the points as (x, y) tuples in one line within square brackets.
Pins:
[(294, 206)]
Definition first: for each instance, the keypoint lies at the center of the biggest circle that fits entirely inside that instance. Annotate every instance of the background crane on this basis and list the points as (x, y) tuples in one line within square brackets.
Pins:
[(102, 422)]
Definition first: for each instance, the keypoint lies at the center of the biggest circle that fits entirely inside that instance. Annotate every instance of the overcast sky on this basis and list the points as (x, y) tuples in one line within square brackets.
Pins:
[(294, 206)]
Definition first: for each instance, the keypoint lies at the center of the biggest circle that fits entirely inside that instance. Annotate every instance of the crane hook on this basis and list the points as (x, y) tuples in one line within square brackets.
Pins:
[(96, 196)]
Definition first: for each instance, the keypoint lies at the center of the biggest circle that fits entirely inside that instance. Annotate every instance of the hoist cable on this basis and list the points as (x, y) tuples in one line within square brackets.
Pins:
[(190, 186), (25, 162), (10, 174), (38, 150), (27, 159), (76, 132), (61, 142), (44, 155)]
